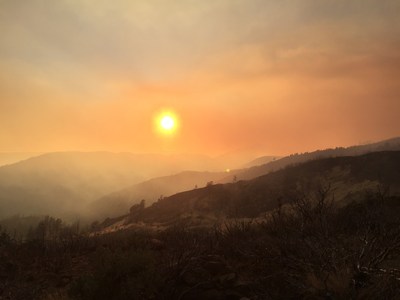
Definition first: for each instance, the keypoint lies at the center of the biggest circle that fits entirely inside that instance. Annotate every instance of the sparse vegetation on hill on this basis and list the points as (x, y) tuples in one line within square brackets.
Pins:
[(151, 190), (312, 250)]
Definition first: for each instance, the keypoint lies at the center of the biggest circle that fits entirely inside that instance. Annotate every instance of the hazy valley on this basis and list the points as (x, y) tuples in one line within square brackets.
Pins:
[(68, 184), (90, 186)]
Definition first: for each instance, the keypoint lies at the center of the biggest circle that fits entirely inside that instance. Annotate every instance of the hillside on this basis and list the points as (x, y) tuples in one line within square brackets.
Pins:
[(312, 250), (151, 190), (119, 201), (348, 179), (82, 184), (64, 184), (7, 158), (260, 161), (253, 172)]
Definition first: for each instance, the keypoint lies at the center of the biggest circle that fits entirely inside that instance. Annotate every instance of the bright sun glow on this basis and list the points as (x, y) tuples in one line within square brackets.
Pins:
[(167, 123)]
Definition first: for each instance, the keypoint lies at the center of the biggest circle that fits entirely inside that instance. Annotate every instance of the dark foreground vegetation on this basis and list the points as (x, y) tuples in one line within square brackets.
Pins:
[(309, 249)]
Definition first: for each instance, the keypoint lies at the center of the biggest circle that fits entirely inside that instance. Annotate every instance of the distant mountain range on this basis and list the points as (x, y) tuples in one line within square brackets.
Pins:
[(98, 184), (64, 184)]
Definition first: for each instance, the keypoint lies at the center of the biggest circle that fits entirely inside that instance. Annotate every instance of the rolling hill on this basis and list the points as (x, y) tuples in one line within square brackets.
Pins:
[(78, 184), (255, 171), (8, 158), (63, 184), (118, 202), (349, 179), (151, 190)]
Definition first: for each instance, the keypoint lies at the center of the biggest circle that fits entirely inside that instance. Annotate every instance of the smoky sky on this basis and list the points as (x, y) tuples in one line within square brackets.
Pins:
[(273, 76)]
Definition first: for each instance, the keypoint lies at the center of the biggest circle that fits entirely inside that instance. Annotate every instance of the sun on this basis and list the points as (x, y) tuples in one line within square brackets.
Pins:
[(167, 123)]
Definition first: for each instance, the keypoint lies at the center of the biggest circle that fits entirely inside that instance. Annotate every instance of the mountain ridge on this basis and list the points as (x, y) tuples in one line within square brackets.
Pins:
[(392, 144), (66, 182), (348, 176)]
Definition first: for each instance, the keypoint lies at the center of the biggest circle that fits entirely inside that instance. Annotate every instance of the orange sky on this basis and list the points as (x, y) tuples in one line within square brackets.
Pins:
[(275, 77)]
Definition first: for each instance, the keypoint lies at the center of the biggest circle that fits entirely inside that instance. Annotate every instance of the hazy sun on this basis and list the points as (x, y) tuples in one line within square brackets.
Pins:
[(167, 122)]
